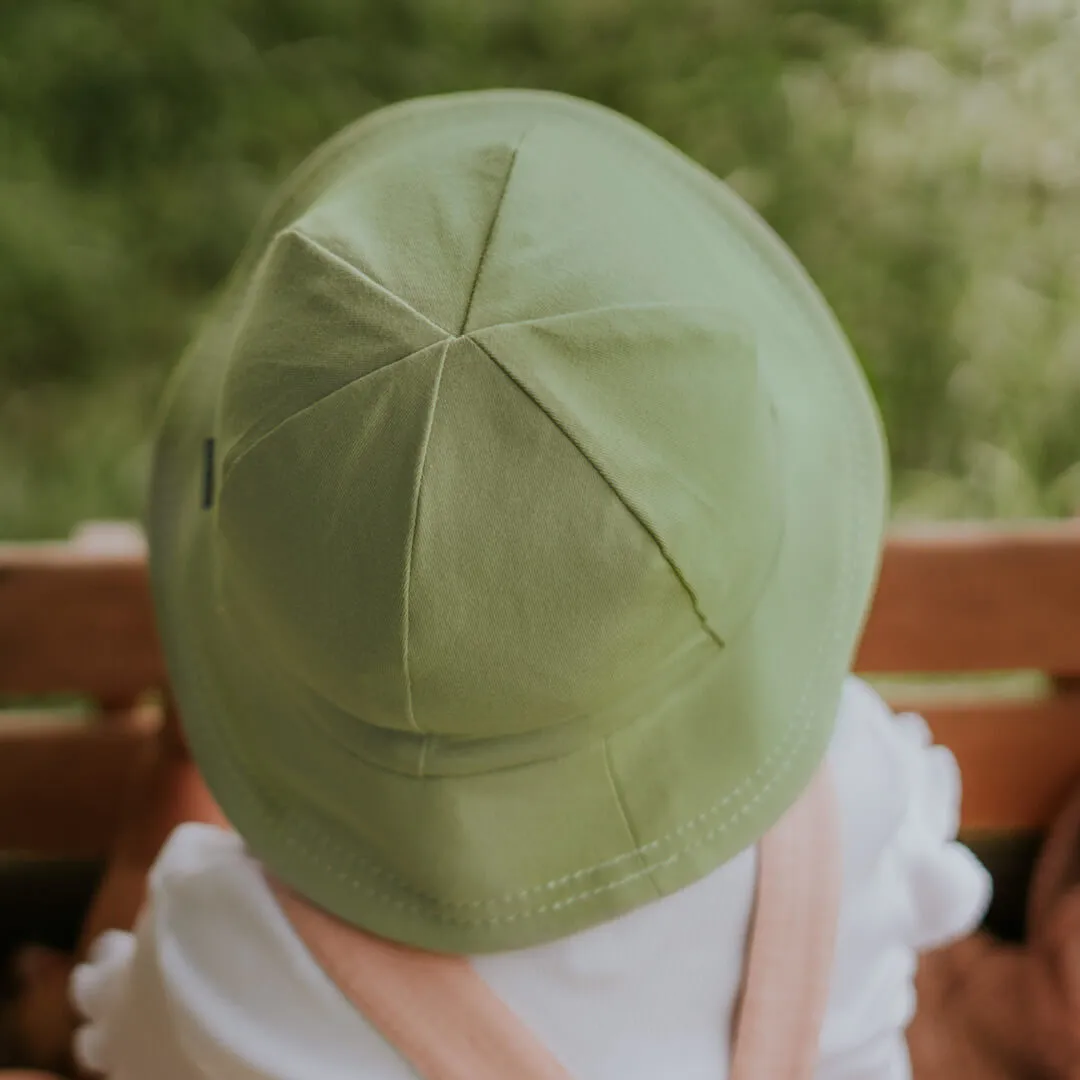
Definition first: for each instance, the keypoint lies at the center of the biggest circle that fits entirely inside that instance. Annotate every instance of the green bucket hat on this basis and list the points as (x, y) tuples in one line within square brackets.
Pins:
[(513, 522)]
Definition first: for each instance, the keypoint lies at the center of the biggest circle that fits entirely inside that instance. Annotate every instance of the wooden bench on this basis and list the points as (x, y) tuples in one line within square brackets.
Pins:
[(953, 603)]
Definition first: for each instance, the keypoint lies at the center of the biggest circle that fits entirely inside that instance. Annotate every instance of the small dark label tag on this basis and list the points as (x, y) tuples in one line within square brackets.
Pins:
[(208, 474)]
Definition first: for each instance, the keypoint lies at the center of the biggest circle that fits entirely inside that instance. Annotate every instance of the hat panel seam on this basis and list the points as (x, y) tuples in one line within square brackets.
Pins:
[(227, 467), (481, 262), (601, 309), (620, 801), (339, 260), (638, 516), (410, 713)]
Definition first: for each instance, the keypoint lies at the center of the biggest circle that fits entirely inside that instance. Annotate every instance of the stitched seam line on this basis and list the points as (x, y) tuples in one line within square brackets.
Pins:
[(410, 715), (604, 309), (226, 469), (355, 271), (620, 802), (481, 262), (656, 539)]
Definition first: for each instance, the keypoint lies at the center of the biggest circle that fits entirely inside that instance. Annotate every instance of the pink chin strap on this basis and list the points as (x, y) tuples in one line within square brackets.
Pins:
[(449, 1025)]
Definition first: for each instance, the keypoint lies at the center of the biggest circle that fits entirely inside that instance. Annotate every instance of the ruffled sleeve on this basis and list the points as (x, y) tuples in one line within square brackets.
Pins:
[(950, 888), (909, 885), (99, 988)]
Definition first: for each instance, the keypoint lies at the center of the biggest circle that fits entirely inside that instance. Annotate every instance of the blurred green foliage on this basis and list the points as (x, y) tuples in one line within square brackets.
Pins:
[(921, 156)]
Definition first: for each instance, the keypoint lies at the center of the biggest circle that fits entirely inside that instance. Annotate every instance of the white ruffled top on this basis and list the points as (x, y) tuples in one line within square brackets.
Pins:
[(215, 985)]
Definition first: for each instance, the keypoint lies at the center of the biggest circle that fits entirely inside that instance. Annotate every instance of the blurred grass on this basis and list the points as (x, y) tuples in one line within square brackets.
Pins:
[(921, 156)]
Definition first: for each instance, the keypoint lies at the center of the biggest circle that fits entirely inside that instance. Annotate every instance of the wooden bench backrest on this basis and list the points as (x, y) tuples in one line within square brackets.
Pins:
[(76, 618)]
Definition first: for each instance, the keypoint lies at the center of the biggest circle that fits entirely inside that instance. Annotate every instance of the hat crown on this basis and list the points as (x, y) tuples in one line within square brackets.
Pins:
[(495, 451)]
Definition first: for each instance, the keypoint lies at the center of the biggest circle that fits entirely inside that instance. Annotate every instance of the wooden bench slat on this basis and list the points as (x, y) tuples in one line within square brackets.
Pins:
[(78, 619), (64, 787), (1018, 760), (962, 599), (953, 599), (76, 623)]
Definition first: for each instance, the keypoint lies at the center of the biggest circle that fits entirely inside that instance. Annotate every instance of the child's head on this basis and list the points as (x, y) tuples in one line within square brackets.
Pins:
[(513, 522)]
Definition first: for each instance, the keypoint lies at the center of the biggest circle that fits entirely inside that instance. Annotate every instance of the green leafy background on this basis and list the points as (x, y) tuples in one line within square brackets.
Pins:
[(921, 156)]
